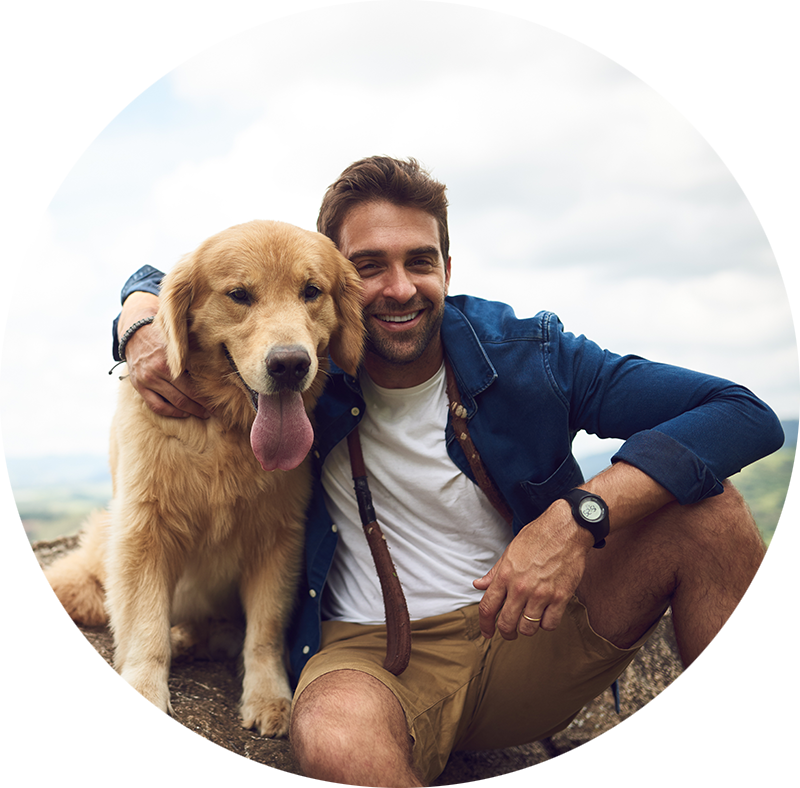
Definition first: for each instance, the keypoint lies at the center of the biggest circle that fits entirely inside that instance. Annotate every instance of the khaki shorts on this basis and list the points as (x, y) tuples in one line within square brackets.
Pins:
[(461, 691)]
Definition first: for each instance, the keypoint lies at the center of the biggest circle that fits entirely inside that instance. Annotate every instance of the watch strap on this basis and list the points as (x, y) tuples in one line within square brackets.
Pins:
[(598, 528)]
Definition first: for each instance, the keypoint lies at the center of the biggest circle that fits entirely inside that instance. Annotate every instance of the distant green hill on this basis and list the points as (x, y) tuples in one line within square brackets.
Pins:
[(55, 494), (764, 485)]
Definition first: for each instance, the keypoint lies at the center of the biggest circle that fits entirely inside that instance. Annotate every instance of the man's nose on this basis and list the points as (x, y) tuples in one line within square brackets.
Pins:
[(399, 285)]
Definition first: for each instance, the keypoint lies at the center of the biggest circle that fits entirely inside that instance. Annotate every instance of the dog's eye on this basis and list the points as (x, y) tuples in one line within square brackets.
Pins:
[(240, 296), (311, 293)]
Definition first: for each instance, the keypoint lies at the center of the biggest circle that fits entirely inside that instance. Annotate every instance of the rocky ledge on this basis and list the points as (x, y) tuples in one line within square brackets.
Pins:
[(55, 676)]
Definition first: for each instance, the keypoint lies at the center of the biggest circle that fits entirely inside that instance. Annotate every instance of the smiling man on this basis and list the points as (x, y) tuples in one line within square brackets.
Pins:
[(405, 282), (518, 618)]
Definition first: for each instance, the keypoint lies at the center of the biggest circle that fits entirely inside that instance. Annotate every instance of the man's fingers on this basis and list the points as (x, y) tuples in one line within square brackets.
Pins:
[(519, 614), (482, 583), (160, 406), (549, 618), (509, 618), (529, 623), (489, 608), (167, 399), (182, 396)]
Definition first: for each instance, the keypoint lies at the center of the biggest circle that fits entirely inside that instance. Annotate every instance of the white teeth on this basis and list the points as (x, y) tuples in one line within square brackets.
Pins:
[(397, 318)]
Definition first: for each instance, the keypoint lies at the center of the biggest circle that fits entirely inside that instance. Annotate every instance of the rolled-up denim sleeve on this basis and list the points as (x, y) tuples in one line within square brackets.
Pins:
[(687, 430), (147, 279)]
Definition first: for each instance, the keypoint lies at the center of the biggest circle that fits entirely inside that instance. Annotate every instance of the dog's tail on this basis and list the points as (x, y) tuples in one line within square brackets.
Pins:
[(78, 577)]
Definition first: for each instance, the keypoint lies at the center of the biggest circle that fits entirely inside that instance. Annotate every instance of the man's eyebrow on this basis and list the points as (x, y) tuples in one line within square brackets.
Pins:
[(420, 250), (367, 253), (423, 250)]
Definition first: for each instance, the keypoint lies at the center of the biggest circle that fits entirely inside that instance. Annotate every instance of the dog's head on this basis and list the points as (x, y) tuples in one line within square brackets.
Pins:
[(256, 310)]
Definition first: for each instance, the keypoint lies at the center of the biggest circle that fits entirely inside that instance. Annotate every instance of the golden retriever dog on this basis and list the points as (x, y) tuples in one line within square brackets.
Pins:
[(207, 515)]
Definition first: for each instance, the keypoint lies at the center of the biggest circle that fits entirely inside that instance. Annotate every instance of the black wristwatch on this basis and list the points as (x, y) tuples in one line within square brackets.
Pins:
[(590, 512)]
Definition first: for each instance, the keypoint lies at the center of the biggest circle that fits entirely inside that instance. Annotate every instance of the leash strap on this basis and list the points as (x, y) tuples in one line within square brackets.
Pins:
[(398, 624), (458, 416)]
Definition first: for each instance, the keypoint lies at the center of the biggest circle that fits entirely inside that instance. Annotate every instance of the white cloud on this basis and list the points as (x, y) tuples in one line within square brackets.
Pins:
[(566, 143)]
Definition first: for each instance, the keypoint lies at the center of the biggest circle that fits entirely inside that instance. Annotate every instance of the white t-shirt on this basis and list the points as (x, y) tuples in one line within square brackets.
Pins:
[(441, 530)]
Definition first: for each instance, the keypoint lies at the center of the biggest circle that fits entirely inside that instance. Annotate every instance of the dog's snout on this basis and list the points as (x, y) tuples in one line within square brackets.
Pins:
[(287, 366)]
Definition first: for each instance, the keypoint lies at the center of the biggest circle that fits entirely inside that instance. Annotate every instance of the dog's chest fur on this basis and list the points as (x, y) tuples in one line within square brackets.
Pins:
[(203, 479)]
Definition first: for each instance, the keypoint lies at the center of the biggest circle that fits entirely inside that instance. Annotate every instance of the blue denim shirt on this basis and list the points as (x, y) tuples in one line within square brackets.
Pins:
[(529, 387)]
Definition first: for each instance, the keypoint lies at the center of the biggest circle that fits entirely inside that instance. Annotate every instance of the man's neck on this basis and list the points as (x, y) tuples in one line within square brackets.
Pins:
[(391, 375)]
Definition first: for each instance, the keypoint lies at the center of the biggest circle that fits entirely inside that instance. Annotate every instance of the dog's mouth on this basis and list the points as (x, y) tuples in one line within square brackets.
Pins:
[(281, 435)]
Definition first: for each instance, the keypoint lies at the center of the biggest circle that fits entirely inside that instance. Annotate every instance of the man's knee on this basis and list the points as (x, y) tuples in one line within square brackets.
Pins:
[(342, 718)]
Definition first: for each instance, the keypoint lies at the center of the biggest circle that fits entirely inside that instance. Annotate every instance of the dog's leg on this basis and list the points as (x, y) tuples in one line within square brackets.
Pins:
[(267, 591), (141, 575)]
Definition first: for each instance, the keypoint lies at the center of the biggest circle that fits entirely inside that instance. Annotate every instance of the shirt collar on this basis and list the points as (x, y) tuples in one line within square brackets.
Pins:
[(473, 370)]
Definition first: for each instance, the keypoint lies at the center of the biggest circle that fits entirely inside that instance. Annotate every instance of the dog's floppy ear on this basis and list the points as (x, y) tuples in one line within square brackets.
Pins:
[(177, 293), (347, 343)]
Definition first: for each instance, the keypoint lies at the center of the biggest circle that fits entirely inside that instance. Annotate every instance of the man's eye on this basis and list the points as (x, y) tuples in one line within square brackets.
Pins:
[(240, 296), (366, 269), (311, 293)]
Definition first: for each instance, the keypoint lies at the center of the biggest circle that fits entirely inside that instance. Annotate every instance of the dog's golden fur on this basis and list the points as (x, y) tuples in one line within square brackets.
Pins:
[(197, 528)]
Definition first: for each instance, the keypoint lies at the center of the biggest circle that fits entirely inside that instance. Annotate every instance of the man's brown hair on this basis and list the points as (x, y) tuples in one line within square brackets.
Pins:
[(379, 178)]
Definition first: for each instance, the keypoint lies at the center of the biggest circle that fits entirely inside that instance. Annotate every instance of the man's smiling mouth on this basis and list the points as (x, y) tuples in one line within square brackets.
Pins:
[(398, 318)]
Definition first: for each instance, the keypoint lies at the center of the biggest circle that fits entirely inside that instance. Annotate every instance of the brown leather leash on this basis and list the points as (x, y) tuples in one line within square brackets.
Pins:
[(458, 417), (398, 625)]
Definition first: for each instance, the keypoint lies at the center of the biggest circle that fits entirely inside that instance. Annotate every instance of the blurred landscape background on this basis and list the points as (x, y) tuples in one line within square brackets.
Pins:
[(55, 494)]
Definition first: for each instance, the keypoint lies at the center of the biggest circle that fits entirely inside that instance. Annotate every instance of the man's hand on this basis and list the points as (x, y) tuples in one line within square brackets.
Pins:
[(544, 564), (147, 363), (536, 576)]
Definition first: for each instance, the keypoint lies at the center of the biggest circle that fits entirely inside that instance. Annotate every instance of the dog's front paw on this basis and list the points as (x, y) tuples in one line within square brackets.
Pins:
[(134, 716), (156, 691), (269, 716)]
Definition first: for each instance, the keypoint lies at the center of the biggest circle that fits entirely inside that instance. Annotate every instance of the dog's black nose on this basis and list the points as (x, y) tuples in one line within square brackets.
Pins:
[(287, 366)]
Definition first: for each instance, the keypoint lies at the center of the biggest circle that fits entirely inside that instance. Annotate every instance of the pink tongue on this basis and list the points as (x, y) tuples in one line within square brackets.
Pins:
[(282, 435)]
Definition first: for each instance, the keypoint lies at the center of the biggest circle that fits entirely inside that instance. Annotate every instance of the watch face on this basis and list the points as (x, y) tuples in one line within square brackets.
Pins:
[(591, 510)]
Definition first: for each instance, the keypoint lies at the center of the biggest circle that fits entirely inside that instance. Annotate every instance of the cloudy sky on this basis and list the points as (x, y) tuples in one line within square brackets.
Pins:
[(633, 166)]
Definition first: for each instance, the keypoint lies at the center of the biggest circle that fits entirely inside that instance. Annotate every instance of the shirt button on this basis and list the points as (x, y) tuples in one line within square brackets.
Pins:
[(306, 649), (312, 593), (335, 528), (355, 411)]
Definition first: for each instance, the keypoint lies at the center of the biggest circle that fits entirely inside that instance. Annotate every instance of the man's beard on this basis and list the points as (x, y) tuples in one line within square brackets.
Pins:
[(399, 349)]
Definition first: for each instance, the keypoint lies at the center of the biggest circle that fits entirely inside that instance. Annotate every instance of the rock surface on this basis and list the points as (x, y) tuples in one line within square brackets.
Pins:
[(55, 676)]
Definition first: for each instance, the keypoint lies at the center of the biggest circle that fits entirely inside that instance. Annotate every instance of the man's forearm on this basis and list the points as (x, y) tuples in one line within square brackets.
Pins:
[(630, 494), (146, 281), (138, 305)]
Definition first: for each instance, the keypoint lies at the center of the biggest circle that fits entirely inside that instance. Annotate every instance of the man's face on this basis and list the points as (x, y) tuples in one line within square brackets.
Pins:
[(396, 251)]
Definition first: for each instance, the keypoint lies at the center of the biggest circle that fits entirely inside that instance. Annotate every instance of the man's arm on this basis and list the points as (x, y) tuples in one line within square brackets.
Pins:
[(684, 433), (147, 361)]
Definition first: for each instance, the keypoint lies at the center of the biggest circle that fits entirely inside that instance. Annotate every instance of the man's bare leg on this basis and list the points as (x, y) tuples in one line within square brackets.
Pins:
[(347, 727), (699, 558)]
